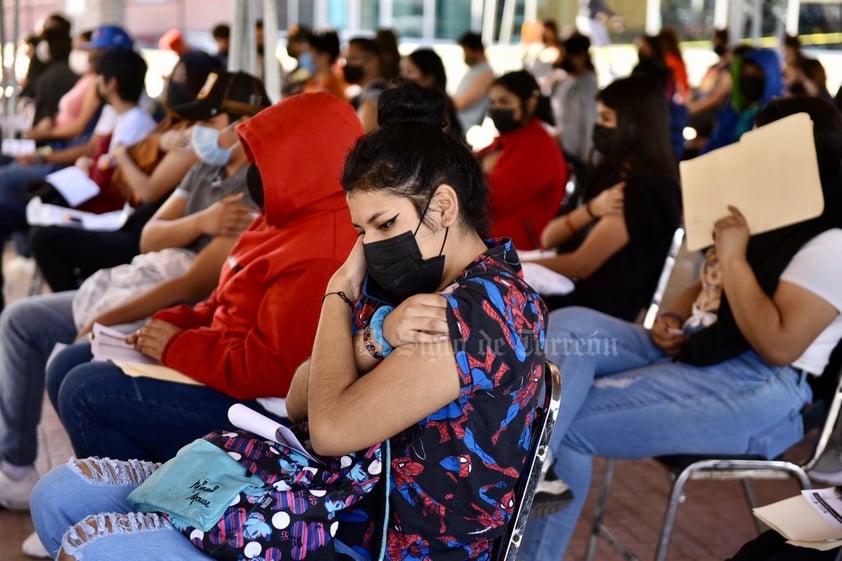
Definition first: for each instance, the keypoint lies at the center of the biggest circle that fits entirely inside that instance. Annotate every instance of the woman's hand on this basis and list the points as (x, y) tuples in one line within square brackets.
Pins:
[(226, 217), (349, 277), (418, 319), (152, 338), (731, 234), (667, 334), (610, 201)]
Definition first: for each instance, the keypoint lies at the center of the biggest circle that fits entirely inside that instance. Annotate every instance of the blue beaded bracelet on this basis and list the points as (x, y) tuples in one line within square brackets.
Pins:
[(375, 327)]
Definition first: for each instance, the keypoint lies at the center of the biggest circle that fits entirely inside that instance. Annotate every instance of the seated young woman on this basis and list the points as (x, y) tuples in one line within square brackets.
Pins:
[(614, 244), (455, 400), (524, 166), (725, 370)]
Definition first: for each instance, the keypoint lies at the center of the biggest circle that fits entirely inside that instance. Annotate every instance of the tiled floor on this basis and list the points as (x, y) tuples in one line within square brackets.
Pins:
[(712, 523)]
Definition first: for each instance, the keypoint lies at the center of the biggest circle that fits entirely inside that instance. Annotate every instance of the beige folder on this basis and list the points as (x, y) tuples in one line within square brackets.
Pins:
[(771, 175)]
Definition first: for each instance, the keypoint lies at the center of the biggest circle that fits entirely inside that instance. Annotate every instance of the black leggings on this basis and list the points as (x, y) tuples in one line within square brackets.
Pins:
[(771, 546)]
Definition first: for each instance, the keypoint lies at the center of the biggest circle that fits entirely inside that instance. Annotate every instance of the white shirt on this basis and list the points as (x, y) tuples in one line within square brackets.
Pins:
[(817, 268), (131, 127)]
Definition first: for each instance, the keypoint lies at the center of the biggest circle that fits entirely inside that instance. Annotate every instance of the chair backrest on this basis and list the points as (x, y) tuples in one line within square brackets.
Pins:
[(666, 272), (832, 403), (533, 466)]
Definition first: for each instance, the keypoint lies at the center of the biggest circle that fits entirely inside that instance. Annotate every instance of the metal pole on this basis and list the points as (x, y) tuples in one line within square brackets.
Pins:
[(476, 14), (243, 55), (428, 21), (530, 10), (720, 14), (385, 16), (653, 16), (735, 21), (756, 21), (793, 11), (271, 67), (507, 22), (292, 12), (489, 15)]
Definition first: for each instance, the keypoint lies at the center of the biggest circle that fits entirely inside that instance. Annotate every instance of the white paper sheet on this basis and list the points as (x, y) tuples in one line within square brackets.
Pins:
[(15, 147), (771, 175), (261, 425), (110, 344), (74, 185), (39, 213)]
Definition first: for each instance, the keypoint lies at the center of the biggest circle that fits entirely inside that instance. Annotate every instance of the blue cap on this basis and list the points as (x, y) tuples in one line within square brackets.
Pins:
[(109, 36)]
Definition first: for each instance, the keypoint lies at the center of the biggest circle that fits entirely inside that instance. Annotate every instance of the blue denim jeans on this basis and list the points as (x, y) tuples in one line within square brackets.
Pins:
[(82, 508), (29, 329), (109, 414), (623, 398), (14, 179)]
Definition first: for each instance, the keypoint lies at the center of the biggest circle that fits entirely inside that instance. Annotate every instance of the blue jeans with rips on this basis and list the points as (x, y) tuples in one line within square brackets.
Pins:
[(82, 507), (622, 397)]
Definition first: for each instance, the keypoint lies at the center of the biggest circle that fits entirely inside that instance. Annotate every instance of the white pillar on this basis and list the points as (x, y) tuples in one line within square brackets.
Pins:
[(354, 16), (243, 51), (735, 21), (271, 67), (292, 12), (320, 20), (792, 11), (530, 10), (720, 14), (488, 22), (386, 14), (653, 16), (428, 19), (90, 13), (508, 21), (476, 14), (756, 21)]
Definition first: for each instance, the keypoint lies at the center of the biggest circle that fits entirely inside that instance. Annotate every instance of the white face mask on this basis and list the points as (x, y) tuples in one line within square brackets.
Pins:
[(79, 61), (42, 51)]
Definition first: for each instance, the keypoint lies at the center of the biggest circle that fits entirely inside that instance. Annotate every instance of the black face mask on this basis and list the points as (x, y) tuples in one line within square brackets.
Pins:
[(352, 73), (752, 88), (254, 183), (176, 94), (603, 139), (504, 120), (720, 49), (396, 264), (567, 65)]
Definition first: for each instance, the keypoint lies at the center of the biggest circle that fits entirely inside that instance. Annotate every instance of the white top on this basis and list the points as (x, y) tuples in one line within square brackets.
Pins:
[(817, 268), (131, 127)]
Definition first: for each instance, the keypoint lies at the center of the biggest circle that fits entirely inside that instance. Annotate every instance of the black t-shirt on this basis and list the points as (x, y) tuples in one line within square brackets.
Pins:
[(55, 81), (626, 282)]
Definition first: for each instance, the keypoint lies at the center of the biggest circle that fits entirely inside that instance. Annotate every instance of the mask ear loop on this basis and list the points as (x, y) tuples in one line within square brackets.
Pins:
[(446, 231)]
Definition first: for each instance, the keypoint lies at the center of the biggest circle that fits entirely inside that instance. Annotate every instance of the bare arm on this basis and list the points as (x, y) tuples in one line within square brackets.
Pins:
[(152, 186), (477, 91), (69, 155), (296, 400), (368, 115), (606, 238), (779, 328)]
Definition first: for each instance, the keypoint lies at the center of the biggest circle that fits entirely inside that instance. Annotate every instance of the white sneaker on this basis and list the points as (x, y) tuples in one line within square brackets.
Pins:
[(32, 547), (14, 493), (828, 469)]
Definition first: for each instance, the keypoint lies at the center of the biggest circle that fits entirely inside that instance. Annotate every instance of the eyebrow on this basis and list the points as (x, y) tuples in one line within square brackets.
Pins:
[(374, 218)]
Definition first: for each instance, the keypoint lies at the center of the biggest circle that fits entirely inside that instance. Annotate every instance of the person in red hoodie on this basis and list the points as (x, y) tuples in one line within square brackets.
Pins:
[(524, 166), (258, 326)]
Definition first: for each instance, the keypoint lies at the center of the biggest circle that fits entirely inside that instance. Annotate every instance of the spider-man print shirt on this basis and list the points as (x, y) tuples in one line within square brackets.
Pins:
[(454, 473)]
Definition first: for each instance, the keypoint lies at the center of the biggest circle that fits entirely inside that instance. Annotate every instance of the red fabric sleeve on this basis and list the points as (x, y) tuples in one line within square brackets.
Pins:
[(258, 359), (187, 317), (524, 169)]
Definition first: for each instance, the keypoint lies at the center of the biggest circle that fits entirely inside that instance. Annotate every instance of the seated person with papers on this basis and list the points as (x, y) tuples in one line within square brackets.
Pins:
[(734, 385), (613, 246), (807, 527), (246, 340)]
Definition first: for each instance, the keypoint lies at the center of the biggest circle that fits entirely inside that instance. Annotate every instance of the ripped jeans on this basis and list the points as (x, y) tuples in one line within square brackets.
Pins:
[(81, 507)]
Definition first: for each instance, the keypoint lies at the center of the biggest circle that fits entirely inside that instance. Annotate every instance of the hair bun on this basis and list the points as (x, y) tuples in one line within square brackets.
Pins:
[(408, 102)]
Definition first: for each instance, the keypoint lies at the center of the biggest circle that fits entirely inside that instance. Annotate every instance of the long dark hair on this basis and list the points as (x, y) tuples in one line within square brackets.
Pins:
[(411, 156), (643, 135), (523, 84), (430, 64)]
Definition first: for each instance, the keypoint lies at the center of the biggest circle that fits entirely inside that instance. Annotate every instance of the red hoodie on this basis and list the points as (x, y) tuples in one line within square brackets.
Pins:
[(258, 326)]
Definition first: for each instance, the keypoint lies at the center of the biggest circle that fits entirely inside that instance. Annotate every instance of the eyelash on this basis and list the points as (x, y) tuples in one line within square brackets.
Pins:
[(386, 225)]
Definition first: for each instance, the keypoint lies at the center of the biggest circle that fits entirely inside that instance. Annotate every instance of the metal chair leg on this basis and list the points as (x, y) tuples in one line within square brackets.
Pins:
[(600, 509), (675, 498)]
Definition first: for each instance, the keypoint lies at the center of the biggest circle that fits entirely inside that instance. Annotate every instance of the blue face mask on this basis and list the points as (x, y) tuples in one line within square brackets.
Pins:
[(206, 146), (305, 61)]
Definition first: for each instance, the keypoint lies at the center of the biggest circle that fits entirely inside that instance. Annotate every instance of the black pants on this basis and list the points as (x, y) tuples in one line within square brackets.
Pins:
[(771, 546), (66, 256)]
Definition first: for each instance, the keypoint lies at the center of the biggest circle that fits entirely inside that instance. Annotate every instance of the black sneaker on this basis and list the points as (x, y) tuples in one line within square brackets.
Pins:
[(551, 496)]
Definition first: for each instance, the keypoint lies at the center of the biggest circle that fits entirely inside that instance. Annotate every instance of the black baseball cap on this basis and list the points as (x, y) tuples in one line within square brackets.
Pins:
[(236, 93)]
